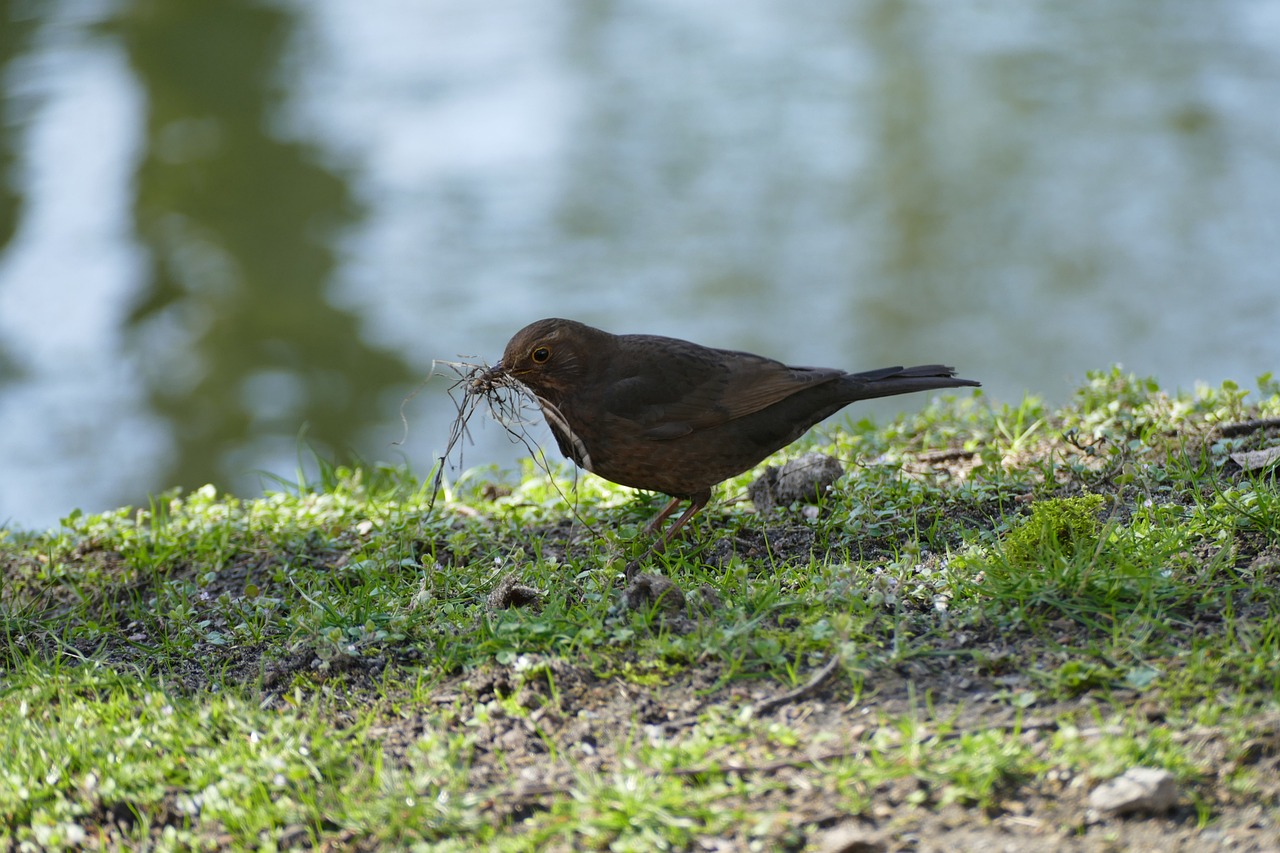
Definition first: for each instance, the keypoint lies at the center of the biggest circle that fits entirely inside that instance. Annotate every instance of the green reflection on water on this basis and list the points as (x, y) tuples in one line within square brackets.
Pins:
[(16, 30), (233, 325)]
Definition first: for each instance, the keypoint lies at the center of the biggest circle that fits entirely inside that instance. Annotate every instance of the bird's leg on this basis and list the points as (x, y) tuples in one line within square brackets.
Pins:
[(656, 522), (696, 502)]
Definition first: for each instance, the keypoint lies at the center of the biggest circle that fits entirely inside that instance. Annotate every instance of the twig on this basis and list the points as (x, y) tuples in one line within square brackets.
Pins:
[(1245, 427), (477, 382), (766, 705), (933, 457), (815, 681)]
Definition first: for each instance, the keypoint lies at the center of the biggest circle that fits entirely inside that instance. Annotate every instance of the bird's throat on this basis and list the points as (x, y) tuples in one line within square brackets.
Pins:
[(570, 444)]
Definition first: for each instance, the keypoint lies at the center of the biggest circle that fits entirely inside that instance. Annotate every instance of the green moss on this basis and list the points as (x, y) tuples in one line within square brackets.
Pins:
[(1057, 525)]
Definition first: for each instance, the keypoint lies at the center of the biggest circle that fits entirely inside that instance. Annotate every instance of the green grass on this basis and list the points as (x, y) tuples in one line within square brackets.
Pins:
[(1019, 597)]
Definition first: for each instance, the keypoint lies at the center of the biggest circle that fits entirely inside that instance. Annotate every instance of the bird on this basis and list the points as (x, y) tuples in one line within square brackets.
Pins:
[(667, 415)]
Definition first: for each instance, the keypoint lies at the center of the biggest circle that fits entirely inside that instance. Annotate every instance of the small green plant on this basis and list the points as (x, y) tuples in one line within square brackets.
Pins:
[(1056, 526)]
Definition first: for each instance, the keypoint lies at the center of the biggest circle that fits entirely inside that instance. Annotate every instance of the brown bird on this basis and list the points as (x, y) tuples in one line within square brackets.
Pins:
[(671, 416)]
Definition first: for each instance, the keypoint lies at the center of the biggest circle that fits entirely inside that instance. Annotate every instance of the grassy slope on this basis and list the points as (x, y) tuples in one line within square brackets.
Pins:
[(1022, 603)]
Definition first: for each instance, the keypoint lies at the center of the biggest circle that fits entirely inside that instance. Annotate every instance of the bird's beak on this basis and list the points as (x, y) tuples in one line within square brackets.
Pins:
[(490, 378)]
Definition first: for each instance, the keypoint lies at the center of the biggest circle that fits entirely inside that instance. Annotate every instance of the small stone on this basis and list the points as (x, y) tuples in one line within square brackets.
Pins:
[(511, 593), (1139, 789), (650, 590), (706, 600), (511, 740), (654, 592), (803, 479), (294, 835), (849, 838)]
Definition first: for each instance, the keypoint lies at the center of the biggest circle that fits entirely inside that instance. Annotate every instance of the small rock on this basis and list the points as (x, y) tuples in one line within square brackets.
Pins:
[(294, 835), (512, 740), (511, 593), (1138, 789), (706, 600), (803, 479), (849, 838), (649, 591), (529, 699)]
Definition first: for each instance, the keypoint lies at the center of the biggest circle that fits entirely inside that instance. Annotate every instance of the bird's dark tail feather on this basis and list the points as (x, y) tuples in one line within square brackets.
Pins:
[(888, 381)]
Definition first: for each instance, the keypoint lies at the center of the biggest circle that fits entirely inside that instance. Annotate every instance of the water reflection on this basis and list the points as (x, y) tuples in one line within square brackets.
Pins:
[(15, 38), (239, 345)]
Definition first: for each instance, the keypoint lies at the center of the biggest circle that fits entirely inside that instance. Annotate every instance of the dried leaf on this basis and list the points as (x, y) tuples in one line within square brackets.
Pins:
[(1257, 460)]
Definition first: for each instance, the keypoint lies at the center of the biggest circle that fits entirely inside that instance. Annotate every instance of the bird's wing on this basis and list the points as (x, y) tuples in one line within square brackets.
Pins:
[(695, 390)]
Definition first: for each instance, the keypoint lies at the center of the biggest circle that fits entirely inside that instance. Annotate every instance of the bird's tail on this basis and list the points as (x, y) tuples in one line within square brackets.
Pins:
[(888, 381)]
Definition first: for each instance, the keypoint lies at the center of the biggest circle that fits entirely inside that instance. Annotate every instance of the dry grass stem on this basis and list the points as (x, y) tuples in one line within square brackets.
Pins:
[(508, 402)]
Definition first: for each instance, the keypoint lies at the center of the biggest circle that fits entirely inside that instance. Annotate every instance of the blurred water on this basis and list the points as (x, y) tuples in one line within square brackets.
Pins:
[(226, 225)]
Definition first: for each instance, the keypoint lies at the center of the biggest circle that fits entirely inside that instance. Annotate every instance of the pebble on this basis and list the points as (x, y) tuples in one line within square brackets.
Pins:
[(1147, 790)]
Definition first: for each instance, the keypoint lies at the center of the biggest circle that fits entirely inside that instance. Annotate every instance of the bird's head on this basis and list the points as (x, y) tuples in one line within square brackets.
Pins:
[(549, 356)]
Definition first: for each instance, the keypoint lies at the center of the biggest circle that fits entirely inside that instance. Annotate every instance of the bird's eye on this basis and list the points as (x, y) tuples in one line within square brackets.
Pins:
[(540, 355)]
